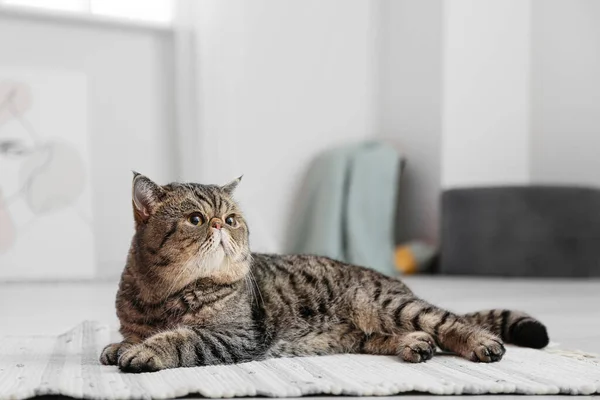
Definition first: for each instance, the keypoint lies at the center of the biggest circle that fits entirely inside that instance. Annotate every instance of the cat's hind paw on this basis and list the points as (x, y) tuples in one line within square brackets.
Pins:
[(417, 347), (487, 349)]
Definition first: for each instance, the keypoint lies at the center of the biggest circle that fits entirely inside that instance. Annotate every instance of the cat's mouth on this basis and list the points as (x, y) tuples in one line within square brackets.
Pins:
[(223, 242)]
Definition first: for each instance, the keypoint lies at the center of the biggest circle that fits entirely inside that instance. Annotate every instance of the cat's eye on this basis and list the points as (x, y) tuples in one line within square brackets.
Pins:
[(195, 219), (230, 221)]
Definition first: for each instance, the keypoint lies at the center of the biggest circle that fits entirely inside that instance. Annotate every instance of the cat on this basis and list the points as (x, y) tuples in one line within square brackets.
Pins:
[(192, 293)]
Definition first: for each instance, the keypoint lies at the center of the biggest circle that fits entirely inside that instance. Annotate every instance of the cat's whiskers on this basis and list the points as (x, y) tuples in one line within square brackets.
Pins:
[(252, 277), (173, 304), (249, 276), (249, 288), (171, 289), (175, 281)]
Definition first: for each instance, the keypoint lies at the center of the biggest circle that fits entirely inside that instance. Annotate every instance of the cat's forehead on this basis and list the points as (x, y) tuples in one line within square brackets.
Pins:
[(198, 197)]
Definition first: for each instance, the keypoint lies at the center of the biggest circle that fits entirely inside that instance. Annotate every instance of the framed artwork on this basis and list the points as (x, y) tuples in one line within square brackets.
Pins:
[(45, 192)]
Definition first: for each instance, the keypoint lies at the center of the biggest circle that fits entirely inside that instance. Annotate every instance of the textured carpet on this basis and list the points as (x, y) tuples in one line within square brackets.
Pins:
[(68, 365)]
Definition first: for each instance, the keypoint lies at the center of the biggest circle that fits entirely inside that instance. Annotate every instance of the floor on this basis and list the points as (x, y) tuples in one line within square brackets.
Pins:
[(569, 308)]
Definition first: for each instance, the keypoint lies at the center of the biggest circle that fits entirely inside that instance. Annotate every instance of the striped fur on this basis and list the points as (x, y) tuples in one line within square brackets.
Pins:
[(194, 294)]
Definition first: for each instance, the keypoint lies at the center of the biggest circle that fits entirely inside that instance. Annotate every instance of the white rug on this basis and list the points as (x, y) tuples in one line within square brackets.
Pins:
[(68, 365)]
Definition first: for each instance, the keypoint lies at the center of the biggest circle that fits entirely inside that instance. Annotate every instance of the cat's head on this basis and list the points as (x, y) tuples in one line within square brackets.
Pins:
[(187, 231)]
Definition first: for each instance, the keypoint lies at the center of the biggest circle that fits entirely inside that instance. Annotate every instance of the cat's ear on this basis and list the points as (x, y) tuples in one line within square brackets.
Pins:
[(230, 187), (146, 195)]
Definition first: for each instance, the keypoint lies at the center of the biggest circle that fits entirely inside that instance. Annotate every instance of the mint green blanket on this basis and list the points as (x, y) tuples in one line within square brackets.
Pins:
[(347, 207)]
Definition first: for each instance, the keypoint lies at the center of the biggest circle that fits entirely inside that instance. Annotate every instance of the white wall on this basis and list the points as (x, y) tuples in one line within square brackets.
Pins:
[(410, 87), (521, 92), (566, 92), (280, 82), (486, 104), (131, 120), (455, 96)]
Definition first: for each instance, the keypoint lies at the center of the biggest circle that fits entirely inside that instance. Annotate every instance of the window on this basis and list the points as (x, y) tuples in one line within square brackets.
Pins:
[(154, 11)]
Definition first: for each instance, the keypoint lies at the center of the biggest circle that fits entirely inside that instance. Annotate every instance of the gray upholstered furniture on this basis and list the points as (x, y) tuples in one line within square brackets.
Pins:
[(521, 231)]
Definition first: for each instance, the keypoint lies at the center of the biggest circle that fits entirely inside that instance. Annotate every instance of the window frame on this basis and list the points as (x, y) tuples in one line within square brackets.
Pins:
[(87, 16)]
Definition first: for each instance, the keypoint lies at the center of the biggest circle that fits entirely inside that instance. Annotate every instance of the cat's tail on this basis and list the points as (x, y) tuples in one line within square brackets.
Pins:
[(514, 327)]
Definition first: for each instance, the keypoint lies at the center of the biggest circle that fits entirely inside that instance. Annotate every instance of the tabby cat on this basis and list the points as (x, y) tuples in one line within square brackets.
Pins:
[(192, 294)]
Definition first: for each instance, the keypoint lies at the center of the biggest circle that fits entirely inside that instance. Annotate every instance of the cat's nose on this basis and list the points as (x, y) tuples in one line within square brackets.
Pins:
[(216, 223)]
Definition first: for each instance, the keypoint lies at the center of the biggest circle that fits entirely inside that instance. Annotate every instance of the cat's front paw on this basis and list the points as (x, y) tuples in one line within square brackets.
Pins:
[(486, 348), (141, 358), (110, 354), (417, 347)]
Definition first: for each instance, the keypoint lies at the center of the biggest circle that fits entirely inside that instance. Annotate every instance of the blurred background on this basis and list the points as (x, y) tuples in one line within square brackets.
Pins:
[(451, 137)]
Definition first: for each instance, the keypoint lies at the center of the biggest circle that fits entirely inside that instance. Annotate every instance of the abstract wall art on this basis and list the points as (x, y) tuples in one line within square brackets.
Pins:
[(45, 193)]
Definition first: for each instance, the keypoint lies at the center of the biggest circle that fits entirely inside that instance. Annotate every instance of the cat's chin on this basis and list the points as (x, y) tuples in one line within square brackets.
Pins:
[(219, 266), (229, 271)]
